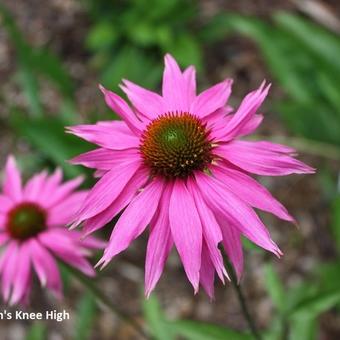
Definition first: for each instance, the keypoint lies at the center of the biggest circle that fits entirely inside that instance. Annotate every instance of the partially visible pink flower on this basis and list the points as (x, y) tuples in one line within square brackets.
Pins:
[(33, 232), (176, 163)]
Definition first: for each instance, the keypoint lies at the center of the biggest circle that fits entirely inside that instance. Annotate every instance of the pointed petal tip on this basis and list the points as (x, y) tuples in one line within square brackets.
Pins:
[(102, 88)]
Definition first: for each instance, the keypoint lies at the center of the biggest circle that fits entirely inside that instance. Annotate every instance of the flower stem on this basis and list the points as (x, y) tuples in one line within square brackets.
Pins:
[(242, 301), (100, 296)]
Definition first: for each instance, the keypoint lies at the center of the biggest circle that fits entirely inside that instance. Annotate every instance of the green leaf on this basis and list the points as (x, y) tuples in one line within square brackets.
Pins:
[(101, 36), (303, 327), (86, 314), (156, 319), (317, 304), (275, 288), (124, 65), (320, 41), (37, 331), (30, 86), (194, 330), (276, 48)]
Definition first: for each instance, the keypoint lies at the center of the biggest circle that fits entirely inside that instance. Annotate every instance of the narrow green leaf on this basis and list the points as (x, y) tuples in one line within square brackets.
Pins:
[(156, 319), (317, 304), (86, 314), (275, 288), (303, 327), (317, 39)]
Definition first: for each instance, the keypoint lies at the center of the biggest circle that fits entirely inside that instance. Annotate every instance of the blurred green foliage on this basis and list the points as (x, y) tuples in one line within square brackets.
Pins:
[(127, 34), (303, 58)]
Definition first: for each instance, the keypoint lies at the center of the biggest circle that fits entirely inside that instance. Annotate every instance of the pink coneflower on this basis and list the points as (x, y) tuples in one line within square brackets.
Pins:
[(176, 163), (33, 232)]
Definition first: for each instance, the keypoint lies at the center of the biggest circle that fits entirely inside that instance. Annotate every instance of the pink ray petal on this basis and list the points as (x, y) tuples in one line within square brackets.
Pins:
[(10, 262), (64, 212), (242, 216), (22, 276), (211, 99), (232, 244), (207, 272), (159, 244), (251, 191), (110, 137), (124, 198), (149, 103), (246, 111), (189, 76), (134, 220), (105, 159), (46, 267), (186, 230), (174, 87), (5, 204), (253, 158), (211, 231), (106, 190), (120, 107), (12, 181)]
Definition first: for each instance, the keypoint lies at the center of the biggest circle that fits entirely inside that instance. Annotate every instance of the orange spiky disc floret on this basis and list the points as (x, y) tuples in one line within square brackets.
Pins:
[(175, 144)]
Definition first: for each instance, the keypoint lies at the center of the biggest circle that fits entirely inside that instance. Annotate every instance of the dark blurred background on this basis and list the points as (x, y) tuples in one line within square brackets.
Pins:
[(54, 53)]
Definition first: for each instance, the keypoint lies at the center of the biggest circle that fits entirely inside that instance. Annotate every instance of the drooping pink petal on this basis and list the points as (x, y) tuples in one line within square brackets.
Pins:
[(186, 230), (22, 276), (148, 103), (106, 190), (159, 244), (250, 191), (232, 244), (211, 99), (12, 181), (246, 111), (239, 213), (207, 272), (60, 193), (105, 159), (59, 244), (64, 212), (10, 260), (211, 230), (174, 87), (46, 267), (218, 130), (134, 220), (136, 182), (89, 242), (111, 137), (253, 158), (122, 109)]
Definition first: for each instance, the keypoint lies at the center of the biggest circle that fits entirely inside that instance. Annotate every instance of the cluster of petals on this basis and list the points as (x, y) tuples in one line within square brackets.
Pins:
[(197, 214), (20, 258)]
